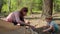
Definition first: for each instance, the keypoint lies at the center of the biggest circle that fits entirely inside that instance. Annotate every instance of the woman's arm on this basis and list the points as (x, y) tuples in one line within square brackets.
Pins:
[(18, 20)]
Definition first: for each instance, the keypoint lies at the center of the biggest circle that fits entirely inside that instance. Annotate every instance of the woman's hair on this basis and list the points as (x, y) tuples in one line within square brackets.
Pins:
[(24, 9), (49, 18)]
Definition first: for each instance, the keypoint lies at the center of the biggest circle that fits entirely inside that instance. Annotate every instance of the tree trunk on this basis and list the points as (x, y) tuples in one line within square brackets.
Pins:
[(0, 8), (1, 5), (19, 2), (47, 8), (31, 9), (31, 6), (9, 5)]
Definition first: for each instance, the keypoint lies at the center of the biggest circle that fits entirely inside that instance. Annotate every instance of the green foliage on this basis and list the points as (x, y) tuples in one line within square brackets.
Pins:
[(57, 5), (36, 5), (5, 8), (14, 4)]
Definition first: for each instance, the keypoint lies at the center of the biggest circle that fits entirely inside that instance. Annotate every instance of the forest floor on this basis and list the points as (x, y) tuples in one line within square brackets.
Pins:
[(35, 20)]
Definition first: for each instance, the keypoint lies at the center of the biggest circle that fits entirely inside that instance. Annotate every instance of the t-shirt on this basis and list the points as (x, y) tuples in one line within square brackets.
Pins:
[(14, 16), (54, 25)]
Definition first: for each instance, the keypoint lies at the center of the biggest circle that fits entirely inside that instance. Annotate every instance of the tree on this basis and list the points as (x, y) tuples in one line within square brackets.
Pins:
[(57, 5), (31, 6), (47, 8), (1, 4), (9, 5), (19, 2)]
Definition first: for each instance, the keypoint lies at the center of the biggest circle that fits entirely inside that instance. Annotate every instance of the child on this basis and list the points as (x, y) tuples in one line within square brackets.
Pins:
[(51, 26)]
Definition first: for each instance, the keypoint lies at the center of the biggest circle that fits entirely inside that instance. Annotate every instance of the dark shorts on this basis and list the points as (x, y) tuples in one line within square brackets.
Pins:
[(15, 23)]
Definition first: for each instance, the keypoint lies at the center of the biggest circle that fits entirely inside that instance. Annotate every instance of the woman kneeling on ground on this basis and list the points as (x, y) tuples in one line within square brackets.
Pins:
[(17, 17)]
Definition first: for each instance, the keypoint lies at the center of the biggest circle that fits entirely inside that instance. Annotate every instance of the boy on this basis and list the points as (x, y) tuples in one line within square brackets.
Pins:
[(51, 27)]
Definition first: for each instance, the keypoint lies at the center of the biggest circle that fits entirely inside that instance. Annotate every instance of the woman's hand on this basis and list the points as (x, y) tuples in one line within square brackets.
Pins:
[(18, 24), (44, 30), (27, 22)]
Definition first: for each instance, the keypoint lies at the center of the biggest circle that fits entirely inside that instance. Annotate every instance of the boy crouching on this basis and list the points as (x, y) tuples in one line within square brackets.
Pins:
[(51, 27)]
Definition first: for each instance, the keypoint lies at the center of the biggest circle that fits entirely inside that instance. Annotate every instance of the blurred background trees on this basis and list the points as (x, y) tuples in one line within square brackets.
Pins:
[(1, 4), (35, 6)]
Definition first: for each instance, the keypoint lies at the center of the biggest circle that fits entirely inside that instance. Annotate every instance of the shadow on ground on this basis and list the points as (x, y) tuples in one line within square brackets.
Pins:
[(39, 31)]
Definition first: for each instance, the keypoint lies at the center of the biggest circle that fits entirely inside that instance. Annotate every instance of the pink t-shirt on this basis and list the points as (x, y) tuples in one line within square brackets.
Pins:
[(14, 16)]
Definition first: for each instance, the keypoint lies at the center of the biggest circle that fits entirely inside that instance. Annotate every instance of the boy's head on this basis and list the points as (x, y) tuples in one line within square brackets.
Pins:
[(48, 19), (24, 11)]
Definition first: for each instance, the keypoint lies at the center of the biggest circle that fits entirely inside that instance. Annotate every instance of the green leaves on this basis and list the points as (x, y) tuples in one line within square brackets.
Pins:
[(57, 5), (36, 5)]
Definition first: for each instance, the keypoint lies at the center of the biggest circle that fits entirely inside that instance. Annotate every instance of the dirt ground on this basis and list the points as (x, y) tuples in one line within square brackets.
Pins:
[(39, 23)]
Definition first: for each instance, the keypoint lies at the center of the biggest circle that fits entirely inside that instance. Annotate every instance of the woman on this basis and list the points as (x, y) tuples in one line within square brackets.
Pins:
[(17, 17)]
